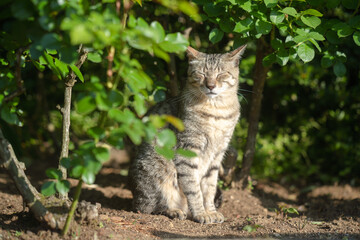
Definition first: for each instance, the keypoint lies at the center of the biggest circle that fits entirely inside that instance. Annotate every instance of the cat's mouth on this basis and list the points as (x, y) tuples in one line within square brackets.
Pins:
[(211, 94)]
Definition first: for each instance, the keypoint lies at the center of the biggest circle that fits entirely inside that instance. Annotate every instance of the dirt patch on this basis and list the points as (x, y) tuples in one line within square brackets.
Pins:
[(325, 212)]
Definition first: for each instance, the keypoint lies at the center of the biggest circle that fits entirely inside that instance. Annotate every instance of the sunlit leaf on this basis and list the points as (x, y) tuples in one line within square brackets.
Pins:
[(311, 21), (94, 57), (166, 138), (77, 72), (62, 186), (356, 38), (270, 3), (166, 152), (306, 52), (186, 153), (290, 11)]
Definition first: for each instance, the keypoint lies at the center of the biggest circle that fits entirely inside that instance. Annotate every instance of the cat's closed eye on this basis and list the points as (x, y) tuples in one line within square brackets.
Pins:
[(198, 76), (223, 76)]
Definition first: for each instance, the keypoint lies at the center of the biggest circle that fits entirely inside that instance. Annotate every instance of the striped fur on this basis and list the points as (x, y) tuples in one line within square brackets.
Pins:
[(209, 109)]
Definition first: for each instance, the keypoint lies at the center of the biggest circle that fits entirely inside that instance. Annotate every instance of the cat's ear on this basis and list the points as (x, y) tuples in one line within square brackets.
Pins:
[(192, 54), (236, 54)]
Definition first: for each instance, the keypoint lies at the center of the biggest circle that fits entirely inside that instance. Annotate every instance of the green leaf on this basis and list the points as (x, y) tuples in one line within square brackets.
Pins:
[(243, 25), (53, 173), (8, 116), (166, 138), (62, 67), (77, 72), (62, 186), (350, 4), (94, 57), (50, 62), (48, 188), (77, 171), (327, 61), (102, 103), (168, 153), (50, 41), (269, 59), (159, 31), (282, 57), (116, 98), (97, 133), (356, 38), (263, 27), (86, 105), (139, 105), (292, 210), (213, 10), (226, 24), (216, 35), (88, 177), (311, 21), (306, 52), (101, 154), (317, 36), (270, 3), (174, 42), (315, 44), (332, 37), (339, 69), (245, 4), (312, 12), (276, 17), (276, 44), (332, 3), (65, 162), (343, 29), (176, 122), (290, 11), (186, 153)]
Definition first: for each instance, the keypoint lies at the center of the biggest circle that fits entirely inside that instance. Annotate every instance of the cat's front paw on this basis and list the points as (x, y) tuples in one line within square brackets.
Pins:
[(176, 213), (209, 217)]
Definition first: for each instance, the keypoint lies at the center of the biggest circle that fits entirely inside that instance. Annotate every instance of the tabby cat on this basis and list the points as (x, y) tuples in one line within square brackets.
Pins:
[(209, 109)]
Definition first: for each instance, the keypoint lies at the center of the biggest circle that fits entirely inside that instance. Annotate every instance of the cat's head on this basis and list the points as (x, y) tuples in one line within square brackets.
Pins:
[(213, 75)]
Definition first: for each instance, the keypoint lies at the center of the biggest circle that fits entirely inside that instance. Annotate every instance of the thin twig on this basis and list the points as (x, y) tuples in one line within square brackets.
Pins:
[(19, 82), (70, 80)]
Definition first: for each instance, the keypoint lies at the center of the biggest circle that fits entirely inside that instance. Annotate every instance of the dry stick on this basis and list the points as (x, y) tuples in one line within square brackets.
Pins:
[(30, 195), (173, 84), (69, 83), (259, 76)]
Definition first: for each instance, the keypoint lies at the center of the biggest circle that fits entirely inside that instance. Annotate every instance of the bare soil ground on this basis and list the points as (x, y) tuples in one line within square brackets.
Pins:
[(325, 212)]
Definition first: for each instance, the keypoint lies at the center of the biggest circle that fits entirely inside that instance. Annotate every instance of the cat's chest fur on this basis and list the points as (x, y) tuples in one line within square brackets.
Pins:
[(211, 124)]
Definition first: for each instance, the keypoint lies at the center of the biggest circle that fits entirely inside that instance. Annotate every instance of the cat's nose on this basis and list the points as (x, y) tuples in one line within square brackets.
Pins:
[(210, 86)]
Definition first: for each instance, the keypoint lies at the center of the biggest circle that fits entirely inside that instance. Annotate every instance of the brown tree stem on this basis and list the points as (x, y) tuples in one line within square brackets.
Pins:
[(69, 83), (173, 84), (30, 195), (259, 77)]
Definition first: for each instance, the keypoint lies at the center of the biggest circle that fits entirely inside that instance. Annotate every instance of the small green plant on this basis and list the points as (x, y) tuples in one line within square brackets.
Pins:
[(18, 234), (101, 224), (251, 226), (283, 210)]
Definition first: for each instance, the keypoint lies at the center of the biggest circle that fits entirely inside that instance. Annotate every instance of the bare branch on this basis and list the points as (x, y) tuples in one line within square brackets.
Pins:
[(70, 80), (30, 195)]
